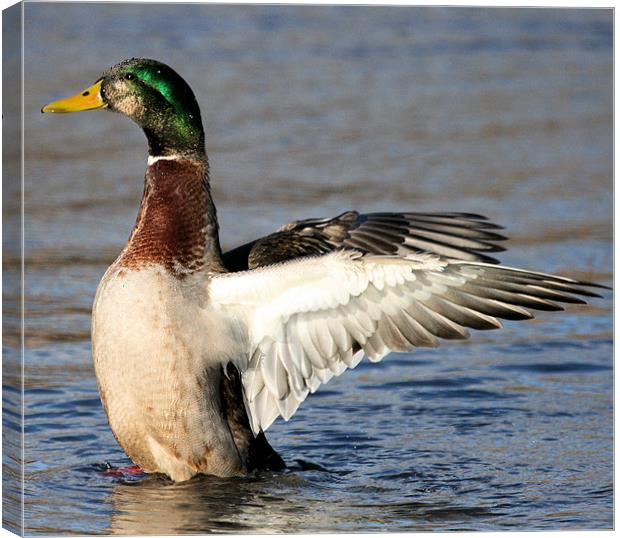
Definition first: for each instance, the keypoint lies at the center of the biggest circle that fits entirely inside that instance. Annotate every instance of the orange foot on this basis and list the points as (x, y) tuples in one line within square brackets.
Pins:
[(121, 471)]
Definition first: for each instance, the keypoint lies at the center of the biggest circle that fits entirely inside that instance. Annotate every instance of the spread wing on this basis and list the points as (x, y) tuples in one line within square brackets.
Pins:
[(309, 320), (461, 236)]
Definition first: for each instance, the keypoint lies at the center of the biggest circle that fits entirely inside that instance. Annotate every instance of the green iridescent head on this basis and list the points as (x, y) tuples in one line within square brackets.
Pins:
[(159, 100), (151, 94)]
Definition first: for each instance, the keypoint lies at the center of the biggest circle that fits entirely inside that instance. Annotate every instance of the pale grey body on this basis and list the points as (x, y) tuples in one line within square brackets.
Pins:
[(162, 398)]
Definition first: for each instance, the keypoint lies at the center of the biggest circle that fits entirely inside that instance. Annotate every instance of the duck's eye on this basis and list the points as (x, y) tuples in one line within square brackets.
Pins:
[(129, 76)]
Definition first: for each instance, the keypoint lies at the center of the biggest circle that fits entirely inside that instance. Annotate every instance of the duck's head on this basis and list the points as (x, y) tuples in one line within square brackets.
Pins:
[(154, 96)]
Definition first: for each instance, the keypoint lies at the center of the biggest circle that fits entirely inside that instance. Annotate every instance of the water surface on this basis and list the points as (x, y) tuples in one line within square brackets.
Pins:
[(311, 111)]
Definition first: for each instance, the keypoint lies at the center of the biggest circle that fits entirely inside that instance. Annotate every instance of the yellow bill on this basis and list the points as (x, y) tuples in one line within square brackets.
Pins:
[(89, 99)]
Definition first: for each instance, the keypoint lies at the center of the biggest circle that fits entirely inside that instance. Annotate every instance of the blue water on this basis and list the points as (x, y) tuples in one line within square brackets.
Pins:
[(311, 111)]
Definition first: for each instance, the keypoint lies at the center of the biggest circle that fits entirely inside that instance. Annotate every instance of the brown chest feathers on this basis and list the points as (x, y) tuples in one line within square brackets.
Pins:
[(176, 226)]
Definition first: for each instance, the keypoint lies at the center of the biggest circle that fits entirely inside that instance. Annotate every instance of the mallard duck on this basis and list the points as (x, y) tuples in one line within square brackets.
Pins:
[(197, 352)]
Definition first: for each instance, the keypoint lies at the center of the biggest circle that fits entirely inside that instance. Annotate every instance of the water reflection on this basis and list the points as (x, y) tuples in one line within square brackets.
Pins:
[(270, 503), (156, 506)]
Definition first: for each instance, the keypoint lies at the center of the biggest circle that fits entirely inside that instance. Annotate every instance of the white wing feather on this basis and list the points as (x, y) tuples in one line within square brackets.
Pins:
[(310, 319)]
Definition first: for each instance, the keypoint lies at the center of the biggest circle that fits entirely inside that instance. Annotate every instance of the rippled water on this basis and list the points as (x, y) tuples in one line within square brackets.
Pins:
[(311, 111)]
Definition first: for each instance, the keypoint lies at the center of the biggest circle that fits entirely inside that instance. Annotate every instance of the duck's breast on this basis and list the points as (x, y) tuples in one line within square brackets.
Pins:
[(155, 349)]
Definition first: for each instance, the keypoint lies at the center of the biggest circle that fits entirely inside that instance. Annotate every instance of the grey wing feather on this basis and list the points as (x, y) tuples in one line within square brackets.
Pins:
[(458, 236)]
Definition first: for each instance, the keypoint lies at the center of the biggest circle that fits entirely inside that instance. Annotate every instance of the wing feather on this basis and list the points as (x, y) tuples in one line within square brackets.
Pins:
[(309, 320), (464, 236)]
